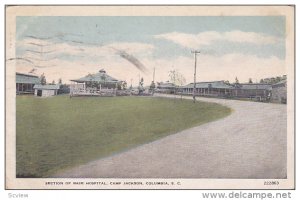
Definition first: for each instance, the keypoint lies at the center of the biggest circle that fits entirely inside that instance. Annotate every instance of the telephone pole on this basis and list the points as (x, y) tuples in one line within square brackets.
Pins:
[(194, 90), (153, 82), (153, 74), (139, 78)]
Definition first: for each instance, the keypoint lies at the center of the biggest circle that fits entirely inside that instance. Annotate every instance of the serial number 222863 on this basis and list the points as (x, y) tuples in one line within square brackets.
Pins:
[(271, 182)]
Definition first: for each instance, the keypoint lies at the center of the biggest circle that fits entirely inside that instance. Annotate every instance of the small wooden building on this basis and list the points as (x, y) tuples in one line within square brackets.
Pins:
[(46, 90), (25, 83), (167, 87)]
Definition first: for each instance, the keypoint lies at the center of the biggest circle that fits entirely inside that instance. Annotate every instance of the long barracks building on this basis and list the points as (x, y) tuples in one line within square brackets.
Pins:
[(257, 91)]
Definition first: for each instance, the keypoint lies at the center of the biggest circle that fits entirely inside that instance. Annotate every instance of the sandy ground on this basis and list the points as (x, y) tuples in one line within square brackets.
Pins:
[(250, 143)]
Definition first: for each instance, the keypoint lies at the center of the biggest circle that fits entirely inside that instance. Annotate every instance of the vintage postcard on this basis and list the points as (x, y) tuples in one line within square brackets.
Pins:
[(150, 97)]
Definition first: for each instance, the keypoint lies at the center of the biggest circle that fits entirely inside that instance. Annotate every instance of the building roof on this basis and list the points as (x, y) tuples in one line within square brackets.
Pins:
[(27, 78), (47, 87), (255, 86), (166, 85), (211, 84), (223, 85), (100, 77), (280, 84)]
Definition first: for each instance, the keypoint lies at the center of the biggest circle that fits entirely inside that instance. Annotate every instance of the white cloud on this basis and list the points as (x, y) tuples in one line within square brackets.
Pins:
[(57, 48), (209, 67), (208, 37), (89, 58)]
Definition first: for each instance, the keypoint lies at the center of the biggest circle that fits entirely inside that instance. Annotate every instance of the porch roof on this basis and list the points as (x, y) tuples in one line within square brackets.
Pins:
[(166, 85), (47, 87), (27, 78), (100, 77), (255, 86), (280, 84), (212, 84)]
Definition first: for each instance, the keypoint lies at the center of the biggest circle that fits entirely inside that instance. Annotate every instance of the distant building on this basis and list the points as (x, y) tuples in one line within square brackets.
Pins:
[(25, 83), (259, 91), (212, 88), (167, 87), (46, 90), (279, 92)]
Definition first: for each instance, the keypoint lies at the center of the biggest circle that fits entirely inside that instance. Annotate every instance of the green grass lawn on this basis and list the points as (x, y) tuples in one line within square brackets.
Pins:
[(58, 132)]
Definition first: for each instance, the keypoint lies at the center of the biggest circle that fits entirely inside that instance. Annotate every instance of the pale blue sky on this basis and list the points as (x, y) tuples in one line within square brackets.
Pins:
[(245, 46), (105, 30)]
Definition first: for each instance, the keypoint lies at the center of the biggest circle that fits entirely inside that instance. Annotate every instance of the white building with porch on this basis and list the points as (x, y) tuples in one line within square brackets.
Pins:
[(99, 84), (212, 88), (25, 83)]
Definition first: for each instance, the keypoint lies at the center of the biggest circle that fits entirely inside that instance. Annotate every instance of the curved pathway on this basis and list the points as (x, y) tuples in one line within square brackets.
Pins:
[(249, 143)]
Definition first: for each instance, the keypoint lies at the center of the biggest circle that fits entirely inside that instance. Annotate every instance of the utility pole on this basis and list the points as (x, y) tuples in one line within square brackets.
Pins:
[(194, 90), (139, 78), (153, 82), (139, 85), (153, 74)]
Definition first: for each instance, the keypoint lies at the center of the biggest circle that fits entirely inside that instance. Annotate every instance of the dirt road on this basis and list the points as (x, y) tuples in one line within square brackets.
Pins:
[(250, 143)]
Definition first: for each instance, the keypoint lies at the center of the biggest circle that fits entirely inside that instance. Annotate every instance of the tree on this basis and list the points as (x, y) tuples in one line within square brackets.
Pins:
[(181, 79), (59, 81), (250, 80), (124, 85), (119, 86), (273, 80), (176, 78), (237, 80), (43, 79), (152, 87), (227, 82), (172, 76), (142, 82), (53, 82), (141, 86), (261, 81), (278, 79)]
